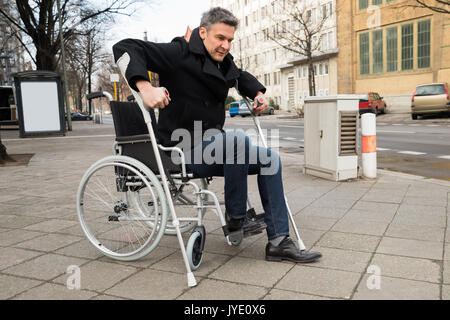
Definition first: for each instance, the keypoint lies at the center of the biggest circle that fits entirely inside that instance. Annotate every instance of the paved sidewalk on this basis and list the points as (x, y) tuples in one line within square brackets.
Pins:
[(395, 226)]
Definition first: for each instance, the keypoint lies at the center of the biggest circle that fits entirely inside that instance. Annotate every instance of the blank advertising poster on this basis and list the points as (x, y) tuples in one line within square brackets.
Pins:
[(40, 106)]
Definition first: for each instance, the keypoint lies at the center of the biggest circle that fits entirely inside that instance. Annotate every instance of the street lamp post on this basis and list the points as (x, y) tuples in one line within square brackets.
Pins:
[(63, 62)]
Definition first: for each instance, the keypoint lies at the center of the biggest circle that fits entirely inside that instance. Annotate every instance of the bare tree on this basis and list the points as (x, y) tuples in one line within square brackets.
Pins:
[(103, 80), (296, 30), (85, 55), (439, 6), (38, 19)]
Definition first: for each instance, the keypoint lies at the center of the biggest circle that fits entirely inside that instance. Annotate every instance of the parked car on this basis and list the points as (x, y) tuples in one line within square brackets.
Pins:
[(372, 102), (239, 108), (430, 98), (78, 116)]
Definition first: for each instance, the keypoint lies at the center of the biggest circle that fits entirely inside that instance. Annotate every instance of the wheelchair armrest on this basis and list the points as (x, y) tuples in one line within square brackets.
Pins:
[(137, 138), (181, 154)]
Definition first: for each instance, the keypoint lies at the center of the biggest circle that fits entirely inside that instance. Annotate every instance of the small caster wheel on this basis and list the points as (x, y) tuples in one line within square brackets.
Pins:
[(194, 250)]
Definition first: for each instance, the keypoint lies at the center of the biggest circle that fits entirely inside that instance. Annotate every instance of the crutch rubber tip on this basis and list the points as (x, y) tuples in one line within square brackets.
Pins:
[(191, 280)]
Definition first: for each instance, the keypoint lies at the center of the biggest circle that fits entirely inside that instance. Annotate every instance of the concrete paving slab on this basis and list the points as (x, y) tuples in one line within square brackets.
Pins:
[(420, 220), (211, 289), (49, 291), (11, 286), (408, 268), (151, 285), (13, 236), (48, 242), (17, 222), (397, 229), (323, 212), (52, 225), (277, 294), (251, 271), (446, 272), (375, 216), (44, 267), (14, 256), (175, 263), (333, 202), (397, 289), (411, 248), (340, 259), (446, 292), (99, 276), (317, 281), (314, 222), (349, 241), (376, 206), (360, 226)]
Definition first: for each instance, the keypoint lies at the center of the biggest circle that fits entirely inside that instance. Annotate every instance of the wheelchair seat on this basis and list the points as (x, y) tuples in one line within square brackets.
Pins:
[(133, 137)]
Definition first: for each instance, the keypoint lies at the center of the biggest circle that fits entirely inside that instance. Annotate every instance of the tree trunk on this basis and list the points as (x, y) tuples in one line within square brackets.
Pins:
[(4, 157), (311, 79), (45, 60)]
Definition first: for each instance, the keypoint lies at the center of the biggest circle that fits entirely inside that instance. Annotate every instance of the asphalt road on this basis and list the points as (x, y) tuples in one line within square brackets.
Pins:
[(420, 147)]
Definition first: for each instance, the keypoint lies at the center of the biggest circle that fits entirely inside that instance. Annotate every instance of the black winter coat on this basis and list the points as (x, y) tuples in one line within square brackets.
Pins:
[(197, 87)]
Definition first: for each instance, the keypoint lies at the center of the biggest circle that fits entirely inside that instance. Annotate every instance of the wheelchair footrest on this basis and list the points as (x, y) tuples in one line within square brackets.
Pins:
[(251, 215)]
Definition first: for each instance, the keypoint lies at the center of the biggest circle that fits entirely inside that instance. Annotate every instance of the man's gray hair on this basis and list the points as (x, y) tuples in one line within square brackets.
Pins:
[(218, 15)]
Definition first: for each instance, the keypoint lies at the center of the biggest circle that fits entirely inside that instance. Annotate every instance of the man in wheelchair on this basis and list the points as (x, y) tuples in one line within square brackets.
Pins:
[(198, 71)]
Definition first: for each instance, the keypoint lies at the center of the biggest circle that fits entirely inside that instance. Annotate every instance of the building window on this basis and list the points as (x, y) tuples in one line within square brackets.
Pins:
[(391, 48), (326, 68), (364, 58), (423, 44), (320, 69), (376, 2), (407, 46), (377, 51), (363, 4)]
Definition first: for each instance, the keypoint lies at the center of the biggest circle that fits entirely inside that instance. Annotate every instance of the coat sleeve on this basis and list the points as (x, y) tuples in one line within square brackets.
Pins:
[(145, 55), (249, 85)]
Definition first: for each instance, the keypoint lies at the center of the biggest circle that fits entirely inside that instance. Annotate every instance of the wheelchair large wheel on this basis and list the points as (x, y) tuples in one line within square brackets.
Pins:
[(110, 220), (185, 203)]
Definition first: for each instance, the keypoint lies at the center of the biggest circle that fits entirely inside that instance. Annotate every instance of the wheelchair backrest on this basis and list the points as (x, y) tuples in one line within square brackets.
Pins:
[(132, 134), (128, 119)]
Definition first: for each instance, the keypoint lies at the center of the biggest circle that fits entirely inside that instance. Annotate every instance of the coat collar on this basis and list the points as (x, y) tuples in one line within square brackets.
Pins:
[(196, 46)]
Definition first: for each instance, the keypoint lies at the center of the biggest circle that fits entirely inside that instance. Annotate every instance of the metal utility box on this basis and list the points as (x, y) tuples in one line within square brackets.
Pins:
[(331, 137), (40, 103)]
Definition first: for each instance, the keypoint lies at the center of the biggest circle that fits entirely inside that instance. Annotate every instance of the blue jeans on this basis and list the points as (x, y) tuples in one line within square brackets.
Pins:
[(232, 156)]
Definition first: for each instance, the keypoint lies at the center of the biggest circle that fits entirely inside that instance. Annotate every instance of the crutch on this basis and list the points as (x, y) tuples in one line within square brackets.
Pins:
[(123, 63), (260, 101)]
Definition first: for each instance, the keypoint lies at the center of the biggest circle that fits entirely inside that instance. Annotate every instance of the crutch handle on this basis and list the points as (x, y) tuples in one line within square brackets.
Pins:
[(166, 92), (260, 101)]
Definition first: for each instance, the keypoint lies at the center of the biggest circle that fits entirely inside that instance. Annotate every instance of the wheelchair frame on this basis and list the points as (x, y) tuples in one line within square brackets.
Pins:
[(168, 190)]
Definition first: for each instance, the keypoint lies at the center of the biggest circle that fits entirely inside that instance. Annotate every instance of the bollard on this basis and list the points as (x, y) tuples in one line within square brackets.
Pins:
[(369, 145)]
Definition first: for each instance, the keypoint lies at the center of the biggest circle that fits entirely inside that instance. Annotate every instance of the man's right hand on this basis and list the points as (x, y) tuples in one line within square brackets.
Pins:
[(153, 97)]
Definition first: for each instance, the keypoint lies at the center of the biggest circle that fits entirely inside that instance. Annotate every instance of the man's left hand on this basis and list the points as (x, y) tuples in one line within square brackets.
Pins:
[(261, 108)]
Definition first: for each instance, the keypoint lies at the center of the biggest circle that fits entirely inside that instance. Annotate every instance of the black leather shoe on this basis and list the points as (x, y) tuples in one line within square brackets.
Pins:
[(248, 227), (287, 250)]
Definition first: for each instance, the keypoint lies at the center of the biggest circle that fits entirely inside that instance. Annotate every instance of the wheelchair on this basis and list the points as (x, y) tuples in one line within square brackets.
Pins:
[(128, 201)]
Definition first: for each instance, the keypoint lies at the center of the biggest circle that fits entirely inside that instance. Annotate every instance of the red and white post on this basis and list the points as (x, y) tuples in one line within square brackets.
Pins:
[(369, 145)]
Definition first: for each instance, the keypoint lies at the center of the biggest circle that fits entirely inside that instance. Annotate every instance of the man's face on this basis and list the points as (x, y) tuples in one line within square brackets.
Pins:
[(217, 40)]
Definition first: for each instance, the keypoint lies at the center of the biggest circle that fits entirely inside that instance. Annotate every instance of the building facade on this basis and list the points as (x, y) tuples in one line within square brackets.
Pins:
[(390, 47), (11, 50), (284, 72)]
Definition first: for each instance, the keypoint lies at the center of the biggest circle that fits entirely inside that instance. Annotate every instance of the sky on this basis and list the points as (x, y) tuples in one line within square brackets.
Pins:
[(163, 20)]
